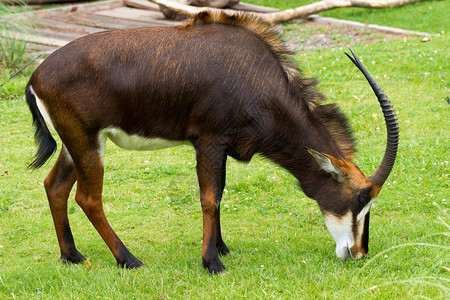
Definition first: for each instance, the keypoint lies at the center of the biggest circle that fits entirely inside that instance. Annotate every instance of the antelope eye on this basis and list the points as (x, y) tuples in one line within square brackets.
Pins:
[(364, 195), (361, 199)]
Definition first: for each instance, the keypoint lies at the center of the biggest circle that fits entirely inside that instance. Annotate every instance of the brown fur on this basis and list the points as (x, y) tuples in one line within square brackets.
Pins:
[(256, 26), (337, 126), (330, 116), (225, 83)]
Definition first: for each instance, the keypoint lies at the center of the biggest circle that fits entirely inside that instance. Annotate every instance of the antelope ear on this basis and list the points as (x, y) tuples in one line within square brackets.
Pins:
[(328, 163)]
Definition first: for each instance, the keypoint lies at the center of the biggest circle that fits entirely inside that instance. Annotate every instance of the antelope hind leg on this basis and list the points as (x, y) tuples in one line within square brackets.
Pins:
[(89, 165), (58, 185)]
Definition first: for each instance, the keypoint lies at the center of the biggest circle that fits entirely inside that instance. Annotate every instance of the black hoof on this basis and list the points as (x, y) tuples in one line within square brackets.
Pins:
[(75, 257), (131, 263), (222, 249), (215, 266), (127, 260)]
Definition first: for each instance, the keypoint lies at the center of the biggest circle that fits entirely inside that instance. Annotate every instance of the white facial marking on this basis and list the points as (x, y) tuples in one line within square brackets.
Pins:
[(364, 211), (360, 219), (42, 109), (341, 230), (359, 233)]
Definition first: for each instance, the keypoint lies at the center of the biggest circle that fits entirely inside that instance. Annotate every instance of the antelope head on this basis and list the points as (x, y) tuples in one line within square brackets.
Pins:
[(349, 194)]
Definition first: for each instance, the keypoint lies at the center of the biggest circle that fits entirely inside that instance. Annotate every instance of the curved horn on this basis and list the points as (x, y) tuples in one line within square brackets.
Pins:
[(385, 167)]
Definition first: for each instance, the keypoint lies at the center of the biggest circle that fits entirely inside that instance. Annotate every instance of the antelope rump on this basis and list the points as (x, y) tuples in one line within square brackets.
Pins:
[(224, 84)]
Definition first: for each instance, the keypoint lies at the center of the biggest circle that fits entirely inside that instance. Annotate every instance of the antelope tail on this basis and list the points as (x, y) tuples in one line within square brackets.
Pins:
[(42, 137)]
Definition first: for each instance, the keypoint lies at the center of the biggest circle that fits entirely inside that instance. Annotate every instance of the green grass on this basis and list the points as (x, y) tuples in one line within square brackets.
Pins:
[(12, 50), (428, 16), (18, 7), (280, 245)]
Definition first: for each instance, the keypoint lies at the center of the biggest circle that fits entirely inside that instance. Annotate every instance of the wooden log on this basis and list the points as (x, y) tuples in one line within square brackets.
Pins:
[(142, 4), (337, 22), (40, 2), (253, 8), (317, 7), (84, 7), (148, 5), (209, 3), (44, 40), (134, 14), (108, 23), (286, 15), (58, 25)]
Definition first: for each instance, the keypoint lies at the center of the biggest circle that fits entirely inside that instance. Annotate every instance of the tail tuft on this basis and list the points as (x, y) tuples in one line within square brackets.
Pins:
[(42, 136)]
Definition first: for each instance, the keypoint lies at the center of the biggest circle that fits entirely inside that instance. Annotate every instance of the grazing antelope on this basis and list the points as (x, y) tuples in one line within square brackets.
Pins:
[(224, 84)]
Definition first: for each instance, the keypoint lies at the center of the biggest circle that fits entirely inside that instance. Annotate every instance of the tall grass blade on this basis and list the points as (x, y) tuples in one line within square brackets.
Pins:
[(12, 49), (21, 69)]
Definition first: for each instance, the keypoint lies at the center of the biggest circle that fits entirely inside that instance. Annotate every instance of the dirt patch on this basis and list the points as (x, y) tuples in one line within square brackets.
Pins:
[(309, 36)]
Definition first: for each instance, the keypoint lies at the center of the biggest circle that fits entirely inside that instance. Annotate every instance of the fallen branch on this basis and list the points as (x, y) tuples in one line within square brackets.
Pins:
[(211, 3), (37, 2), (176, 8)]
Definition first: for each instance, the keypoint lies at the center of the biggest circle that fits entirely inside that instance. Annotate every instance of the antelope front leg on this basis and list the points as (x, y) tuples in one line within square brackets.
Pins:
[(210, 170), (222, 248)]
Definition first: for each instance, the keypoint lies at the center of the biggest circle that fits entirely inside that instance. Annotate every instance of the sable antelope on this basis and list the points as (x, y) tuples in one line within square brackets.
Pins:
[(224, 84)]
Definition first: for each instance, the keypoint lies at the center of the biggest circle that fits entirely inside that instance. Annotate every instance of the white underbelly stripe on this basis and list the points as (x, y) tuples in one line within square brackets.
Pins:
[(136, 142)]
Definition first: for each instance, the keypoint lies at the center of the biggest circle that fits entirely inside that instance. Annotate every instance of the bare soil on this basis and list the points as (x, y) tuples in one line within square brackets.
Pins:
[(310, 36)]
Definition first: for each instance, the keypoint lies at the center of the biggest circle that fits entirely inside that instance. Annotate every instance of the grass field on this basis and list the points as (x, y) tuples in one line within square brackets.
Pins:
[(432, 14), (280, 247)]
